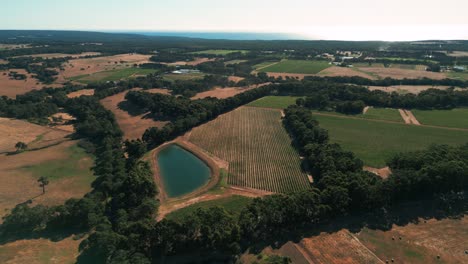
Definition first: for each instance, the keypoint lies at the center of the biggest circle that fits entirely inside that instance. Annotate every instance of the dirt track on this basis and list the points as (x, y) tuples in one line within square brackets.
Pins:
[(408, 117)]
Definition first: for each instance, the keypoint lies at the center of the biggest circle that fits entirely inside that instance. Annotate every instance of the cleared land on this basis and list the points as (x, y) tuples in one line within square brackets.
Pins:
[(113, 75), (132, 126), (398, 73), (382, 114), (62, 55), (345, 72), (218, 52), (458, 75), (66, 165), (80, 93), (183, 77), (35, 136), (420, 242), (297, 66), (88, 66), (222, 93), (195, 62), (447, 118), (404, 89), (376, 141), (12, 88), (41, 251), (257, 147)]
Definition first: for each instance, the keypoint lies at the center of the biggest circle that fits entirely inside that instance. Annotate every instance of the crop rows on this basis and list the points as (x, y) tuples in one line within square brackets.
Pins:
[(257, 148)]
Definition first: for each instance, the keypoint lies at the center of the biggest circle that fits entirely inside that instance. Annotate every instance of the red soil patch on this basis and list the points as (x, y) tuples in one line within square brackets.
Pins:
[(12, 88), (415, 89), (190, 63), (235, 79), (397, 73), (340, 247), (222, 93), (132, 126), (335, 71), (383, 172), (79, 93)]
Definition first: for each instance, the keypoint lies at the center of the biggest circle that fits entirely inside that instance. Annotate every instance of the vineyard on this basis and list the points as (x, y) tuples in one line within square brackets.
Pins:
[(257, 148)]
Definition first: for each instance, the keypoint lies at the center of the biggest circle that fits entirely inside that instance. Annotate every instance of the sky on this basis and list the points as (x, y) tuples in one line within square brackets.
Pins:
[(311, 19)]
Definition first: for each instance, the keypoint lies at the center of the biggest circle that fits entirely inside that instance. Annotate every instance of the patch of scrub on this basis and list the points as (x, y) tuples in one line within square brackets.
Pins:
[(181, 171)]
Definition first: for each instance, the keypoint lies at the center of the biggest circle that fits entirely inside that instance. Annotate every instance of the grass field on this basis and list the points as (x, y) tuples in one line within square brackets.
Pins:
[(388, 114), (77, 164), (113, 75), (234, 62), (448, 118), (279, 102), (218, 52), (374, 141), (298, 66), (264, 64), (459, 75), (233, 205), (257, 147), (183, 77)]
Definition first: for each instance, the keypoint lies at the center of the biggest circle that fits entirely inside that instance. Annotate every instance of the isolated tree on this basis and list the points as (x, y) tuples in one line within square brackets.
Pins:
[(43, 181), (21, 146)]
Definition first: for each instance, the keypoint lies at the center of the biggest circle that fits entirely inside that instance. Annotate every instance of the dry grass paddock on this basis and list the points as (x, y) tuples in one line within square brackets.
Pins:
[(80, 93), (12, 88), (132, 126)]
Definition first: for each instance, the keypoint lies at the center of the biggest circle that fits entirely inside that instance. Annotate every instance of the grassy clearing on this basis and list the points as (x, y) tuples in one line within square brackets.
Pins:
[(257, 147), (459, 75), (113, 75), (234, 62), (77, 164), (388, 114), (233, 205), (279, 102), (264, 64), (448, 118), (298, 66), (183, 77), (218, 52), (375, 142)]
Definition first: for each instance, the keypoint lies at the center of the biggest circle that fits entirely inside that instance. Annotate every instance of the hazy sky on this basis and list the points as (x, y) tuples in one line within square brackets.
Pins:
[(324, 19)]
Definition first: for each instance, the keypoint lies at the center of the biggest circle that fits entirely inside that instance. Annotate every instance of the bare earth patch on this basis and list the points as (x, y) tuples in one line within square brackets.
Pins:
[(79, 93), (383, 172), (222, 93), (397, 73), (132, 126), (190, 63), (158, 90), (458, 54), (408, 117), (235, 79), (340, 247), (415, 89)]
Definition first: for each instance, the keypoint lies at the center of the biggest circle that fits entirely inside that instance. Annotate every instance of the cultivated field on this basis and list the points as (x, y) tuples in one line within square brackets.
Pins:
[(132, 126), (257, 147), (388, 114), (447, 118), (218, 52), (183, 77), (297, 66), (345, 72), (195, 62), (375, 141), (278, 102), (113, 75)]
